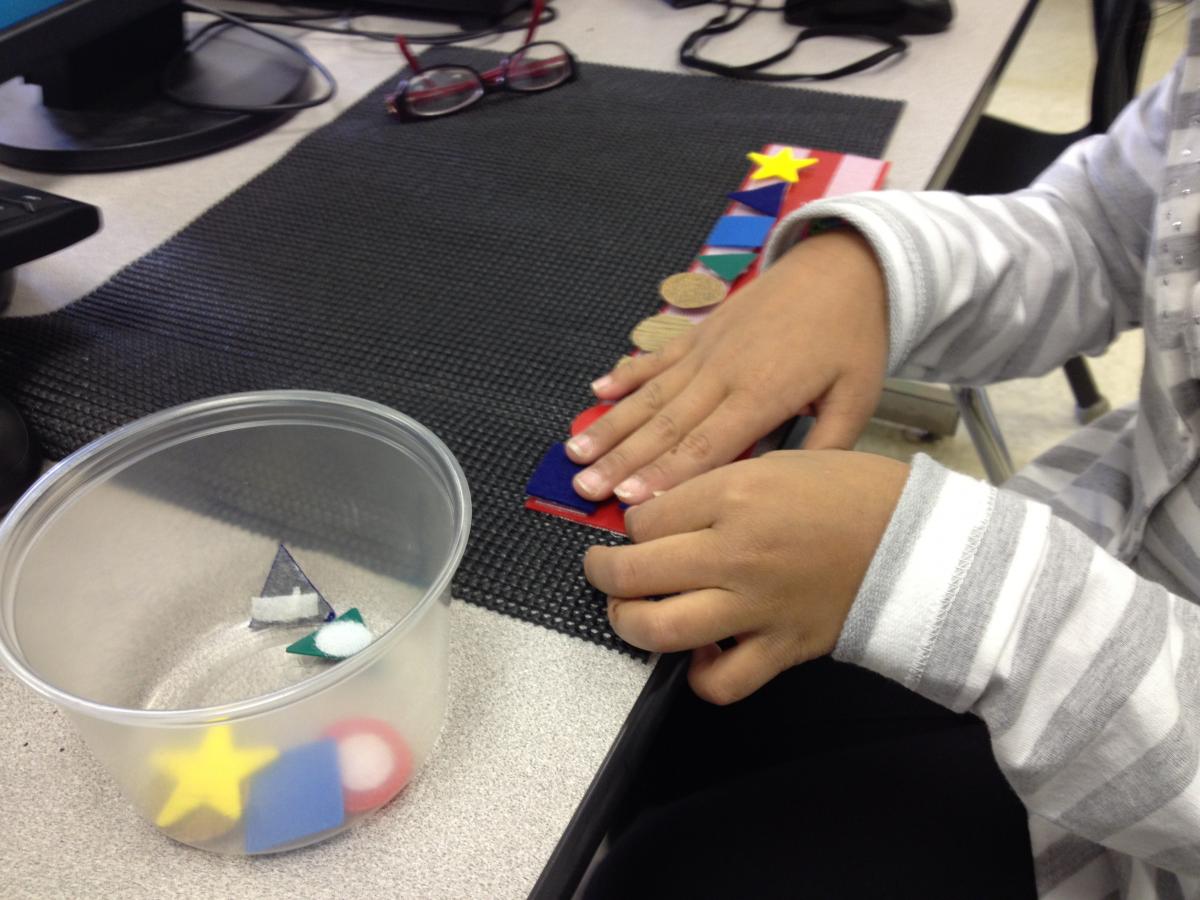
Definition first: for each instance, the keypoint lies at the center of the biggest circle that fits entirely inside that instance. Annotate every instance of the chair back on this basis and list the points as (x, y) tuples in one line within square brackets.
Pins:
[(1121, 28)]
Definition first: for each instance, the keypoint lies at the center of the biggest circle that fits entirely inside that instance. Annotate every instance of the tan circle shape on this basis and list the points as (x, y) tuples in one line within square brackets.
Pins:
[(692, 290), (656, 332)]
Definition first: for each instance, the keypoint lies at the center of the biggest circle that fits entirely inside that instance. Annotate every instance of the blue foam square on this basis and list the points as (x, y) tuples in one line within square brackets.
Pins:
[(740, 231), (766, 200), (298, 795), (551, 481)]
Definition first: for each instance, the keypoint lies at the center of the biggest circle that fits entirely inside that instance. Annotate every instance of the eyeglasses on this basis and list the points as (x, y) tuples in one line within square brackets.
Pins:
[(442, 90)]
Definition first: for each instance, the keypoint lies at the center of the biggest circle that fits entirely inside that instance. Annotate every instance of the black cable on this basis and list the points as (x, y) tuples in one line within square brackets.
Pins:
[(689, 54), (284, 18), (310, 22), (741, 5), (227, 21)]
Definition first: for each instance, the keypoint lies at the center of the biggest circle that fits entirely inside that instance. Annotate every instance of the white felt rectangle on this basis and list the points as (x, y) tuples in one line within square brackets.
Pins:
[(293, 607)]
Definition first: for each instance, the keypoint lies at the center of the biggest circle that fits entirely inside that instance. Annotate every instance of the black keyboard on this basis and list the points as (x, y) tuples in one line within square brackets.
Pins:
[(34, 223)]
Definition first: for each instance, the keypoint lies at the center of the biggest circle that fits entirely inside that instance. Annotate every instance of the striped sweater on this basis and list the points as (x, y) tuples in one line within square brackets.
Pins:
[(1064, 609)]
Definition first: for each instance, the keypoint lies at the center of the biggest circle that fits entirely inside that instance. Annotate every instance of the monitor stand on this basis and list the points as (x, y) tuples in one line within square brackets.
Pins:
[(78, 118)]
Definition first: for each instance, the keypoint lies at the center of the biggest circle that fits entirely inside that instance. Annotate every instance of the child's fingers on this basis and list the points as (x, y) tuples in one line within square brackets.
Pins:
[(681, 622), (726, 676), (672, 565), (637, 370), (646, 439), (691, 506), (842, 416), (716, 440), (628, 415)]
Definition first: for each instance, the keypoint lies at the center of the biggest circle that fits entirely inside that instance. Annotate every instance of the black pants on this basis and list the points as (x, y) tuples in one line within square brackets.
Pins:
[(831, 782)]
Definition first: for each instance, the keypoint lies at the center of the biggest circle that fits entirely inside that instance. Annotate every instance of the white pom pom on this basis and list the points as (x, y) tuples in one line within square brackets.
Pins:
[(342, 638)]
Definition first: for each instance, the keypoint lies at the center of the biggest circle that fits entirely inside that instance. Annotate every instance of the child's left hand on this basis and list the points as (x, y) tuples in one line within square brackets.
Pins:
[(769, 551)]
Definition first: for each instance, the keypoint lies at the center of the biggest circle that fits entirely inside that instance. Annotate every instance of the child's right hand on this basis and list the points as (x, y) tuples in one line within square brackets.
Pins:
[(810, 333)]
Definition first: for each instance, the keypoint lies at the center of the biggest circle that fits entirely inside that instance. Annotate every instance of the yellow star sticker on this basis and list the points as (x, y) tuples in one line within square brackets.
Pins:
[(210, 775), (780, 164)]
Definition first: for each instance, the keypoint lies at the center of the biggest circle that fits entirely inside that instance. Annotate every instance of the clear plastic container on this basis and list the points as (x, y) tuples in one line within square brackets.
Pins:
[(126, 578)]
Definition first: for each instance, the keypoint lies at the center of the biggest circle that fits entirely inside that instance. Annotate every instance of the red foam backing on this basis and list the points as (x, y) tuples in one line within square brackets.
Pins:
[(588, 416)]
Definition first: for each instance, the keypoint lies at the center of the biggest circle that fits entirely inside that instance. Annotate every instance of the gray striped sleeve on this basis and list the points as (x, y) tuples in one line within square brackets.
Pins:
[(1062, 859), (1058, 588), (1104, 688), (1023, 484), (1184, 859), (925, 483), (1112, 483), (988, 288), (1068, 458), (1019, 588), (1160, 774), (953, 650)]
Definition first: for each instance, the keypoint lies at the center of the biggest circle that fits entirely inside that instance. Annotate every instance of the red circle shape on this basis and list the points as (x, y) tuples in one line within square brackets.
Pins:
[(402, 763)]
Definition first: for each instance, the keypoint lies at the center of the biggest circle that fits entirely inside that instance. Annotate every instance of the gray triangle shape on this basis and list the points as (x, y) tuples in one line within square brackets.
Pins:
[(286, 578)]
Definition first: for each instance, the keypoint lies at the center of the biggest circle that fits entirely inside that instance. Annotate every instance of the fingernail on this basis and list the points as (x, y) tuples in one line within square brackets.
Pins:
[(588, 482), (580, 445), (630, 488), (602, 383), (659, 493)]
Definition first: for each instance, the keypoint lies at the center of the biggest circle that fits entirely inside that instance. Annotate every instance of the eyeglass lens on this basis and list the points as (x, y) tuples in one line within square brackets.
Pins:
[(442, 90), (538, 67)]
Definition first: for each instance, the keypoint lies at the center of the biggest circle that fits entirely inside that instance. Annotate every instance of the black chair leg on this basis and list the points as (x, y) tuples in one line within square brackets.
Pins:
[(1090, 404), (20, 461)]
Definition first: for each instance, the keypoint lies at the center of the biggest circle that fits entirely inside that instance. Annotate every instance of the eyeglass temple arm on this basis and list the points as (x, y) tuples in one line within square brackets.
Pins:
[(409, 56), (534, 19), (539, 7)]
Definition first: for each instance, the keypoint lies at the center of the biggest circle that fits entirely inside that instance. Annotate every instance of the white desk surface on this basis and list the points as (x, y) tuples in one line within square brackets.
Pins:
[(532, 713)]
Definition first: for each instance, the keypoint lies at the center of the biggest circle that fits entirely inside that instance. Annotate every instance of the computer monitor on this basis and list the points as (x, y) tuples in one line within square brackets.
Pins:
[(81, 85)]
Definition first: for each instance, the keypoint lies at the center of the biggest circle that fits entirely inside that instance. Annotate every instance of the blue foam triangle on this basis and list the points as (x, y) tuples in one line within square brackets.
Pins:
[(766, 200), (551, 481)]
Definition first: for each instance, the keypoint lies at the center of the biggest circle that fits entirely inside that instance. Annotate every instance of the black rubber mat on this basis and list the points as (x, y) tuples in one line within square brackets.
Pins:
[(474, 272)]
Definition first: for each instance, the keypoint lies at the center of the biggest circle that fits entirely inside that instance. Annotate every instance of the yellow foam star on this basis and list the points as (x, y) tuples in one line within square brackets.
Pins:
[(780, 164), (211, 775)]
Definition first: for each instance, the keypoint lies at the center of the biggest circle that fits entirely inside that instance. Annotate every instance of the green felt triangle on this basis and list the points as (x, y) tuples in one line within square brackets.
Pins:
[(307, 645), (728, 265)]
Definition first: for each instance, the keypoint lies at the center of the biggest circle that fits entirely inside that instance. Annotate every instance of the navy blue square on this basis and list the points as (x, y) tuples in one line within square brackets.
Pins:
[(551, 481)]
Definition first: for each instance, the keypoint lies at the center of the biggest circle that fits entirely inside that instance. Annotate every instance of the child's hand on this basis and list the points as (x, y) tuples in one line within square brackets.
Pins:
[(769, 551), (809, 333)]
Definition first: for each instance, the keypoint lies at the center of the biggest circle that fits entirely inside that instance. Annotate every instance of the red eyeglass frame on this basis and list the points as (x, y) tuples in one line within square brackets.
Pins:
[(491, 80)]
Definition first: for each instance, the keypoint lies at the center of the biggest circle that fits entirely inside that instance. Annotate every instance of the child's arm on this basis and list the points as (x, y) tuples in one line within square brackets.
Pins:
[(977, 289), (1087, 675), (986, 288)]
